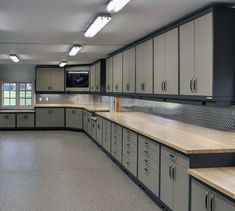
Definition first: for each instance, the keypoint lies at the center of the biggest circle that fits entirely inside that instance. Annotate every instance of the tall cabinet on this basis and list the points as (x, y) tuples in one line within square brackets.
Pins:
[(95, 77), (166, 63), (117, 73)]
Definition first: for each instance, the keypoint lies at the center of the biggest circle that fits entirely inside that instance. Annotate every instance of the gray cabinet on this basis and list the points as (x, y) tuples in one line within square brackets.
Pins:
[(94, 128), (117, 73), (109, 74), (74, 118), (129, 70), (50, 79), (196, 57), (174, 180), (92, 78), (204, 199), (85, 120), (7, 121), (50, 117), (116, 142), (25, 120), (89, 115), (144, 67), (99, 130), (107, 135), (166, 63), (95, 77)]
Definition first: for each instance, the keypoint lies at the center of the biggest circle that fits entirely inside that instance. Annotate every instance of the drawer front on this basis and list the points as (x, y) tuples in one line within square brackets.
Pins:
[(149, 161), (106, 144), (93, 129), (117, 144), (130, 155), (149, 177), (148, 152), (175, 156), (117, 154), (148, 144), (129, 145), (129, 165), (129, 136), (116, 130)]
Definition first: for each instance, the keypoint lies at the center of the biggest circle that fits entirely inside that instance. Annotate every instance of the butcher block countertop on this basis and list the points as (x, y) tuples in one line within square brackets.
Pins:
[(186, 138), (221, 179), (88, 107)]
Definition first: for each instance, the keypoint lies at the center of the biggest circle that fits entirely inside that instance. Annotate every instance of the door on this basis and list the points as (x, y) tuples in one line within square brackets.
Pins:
[(57, 79), (97, 77), (117, 73), (43, 79), (166, 194), (171, 62), (109, 74), (57, 117), (204, 55), (220, 203), (42, 117), (187, 68), (159, 64), (129, 70)]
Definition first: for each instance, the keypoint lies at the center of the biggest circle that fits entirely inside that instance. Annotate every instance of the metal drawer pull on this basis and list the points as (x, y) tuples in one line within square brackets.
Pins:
[(146, 169), (128, 145), (146, 161), (174, 173), (127, 163), (146, 151), (165, 86), (128, 152), (191, 85), (170, 172), (162, 86), (206, 200), (212, 203), (195, 85)]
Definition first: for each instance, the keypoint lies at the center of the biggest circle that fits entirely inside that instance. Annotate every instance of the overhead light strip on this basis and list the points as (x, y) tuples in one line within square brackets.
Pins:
[(14, 58), (62, 64), (97, 24), (74, 50), (116, 5)]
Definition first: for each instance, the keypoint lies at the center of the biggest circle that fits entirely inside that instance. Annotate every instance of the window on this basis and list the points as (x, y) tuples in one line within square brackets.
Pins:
[(17, 94)]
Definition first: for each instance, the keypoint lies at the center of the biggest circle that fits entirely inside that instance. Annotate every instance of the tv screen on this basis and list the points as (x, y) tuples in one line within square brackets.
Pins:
[(77, 79)]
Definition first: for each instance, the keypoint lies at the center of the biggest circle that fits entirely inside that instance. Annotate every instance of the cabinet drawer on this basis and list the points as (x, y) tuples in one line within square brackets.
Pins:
[(129, 136), (149, 161), (130, 155), (106, 144), (117, 144), (129, 146), (129, 165), (116, 130), (148, 144), (148, 152), (149, 177), (117, 154), (175, 156)]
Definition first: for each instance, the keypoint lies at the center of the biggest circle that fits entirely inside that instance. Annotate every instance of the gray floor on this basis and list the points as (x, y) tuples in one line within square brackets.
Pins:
[(62, 171)]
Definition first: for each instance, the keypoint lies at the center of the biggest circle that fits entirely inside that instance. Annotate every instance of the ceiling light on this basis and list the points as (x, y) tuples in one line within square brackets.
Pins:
[(116, 5), (99, 22), (74, 50), (62, 64), (14, 58)]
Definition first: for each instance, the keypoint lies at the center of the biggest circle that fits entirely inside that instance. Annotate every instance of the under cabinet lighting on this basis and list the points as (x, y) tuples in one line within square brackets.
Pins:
[(99, 22), (116, 5), (62, 64), (14, 58), (74, 50)]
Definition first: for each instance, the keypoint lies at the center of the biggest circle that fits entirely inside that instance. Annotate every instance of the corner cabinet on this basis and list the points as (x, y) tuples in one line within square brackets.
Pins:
[(95, 72), (50, 80), (144, 67)]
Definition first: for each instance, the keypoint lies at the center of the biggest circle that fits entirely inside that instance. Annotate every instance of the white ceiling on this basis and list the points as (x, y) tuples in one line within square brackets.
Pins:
[(42, 31)]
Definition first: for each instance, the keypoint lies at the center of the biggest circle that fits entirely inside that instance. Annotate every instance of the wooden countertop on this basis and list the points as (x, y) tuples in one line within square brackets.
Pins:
[(88, 107), (221, 179), (183, 137), (17, 111)]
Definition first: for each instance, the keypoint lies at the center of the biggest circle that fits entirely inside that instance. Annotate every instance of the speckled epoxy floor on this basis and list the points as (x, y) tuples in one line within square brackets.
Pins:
[(62, 171)]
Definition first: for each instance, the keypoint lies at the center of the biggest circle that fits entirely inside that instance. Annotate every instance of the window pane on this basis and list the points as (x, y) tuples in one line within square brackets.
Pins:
[(28, 94), (29, 86), (22, 94), (12, 86), (28, 102), (6, 102), (12, 102), (6, 86), (22, 102), (22, 86), (12, 94), (6, 94)]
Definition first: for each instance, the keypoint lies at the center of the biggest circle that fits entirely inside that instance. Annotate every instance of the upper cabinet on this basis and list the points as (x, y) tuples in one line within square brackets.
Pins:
[(166, 63), (50, 79), (196, 57), (129, 70), (109, 74), (144, 67), (95, 77), (117, 73)]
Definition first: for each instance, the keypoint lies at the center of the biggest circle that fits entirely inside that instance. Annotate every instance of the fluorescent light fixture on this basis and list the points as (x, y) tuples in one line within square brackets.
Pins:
[(116, 5), (14, 58), (99, 22), (62, 64), (74, 50)]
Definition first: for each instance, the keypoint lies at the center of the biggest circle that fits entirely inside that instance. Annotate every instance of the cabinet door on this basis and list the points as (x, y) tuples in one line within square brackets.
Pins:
[(97, 77), (221, 203), (89, 123), (92, 78), (56, 117), (159, 64), (77, 115), (117, 73), (171, 62), (109, 75), (10, 120), (166, 194), (29, 120), (204, 55), (85, 121), (57, 79), (199, 197), (42, 117), (69, 118), (43, 79), (129, 70), (21, 121), (186, 58), (139, 68), (93, 129), (181, 185), (99, 129)]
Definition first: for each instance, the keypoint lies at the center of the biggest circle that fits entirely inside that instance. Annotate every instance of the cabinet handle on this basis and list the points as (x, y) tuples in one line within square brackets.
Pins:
[(108, 87), (143, 86), (128, 152), (146, 152), (191, 85), (146, 169), (170, 171), (206, 200), (195, 84), (127, 87), (127, 163), (212, 202), (96, 87), (98, 126), (174, 173), (146, 161), (165, 85)]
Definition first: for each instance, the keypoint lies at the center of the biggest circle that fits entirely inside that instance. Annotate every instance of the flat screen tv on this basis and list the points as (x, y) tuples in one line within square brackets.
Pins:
[(77, 79)]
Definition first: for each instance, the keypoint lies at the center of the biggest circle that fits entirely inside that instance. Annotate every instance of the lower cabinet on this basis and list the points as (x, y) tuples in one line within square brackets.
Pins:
[(204, 199), (174, 180), (148, 164), (49, 117), (7, 120), (25, 120), (107, 135), (116, 142), (74, 118), (89, 115), (99, 130), (85, 121), (93, 128)]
